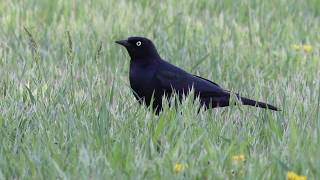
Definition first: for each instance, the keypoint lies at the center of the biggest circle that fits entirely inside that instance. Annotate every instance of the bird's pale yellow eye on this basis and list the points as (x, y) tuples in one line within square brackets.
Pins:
[(138, 43)]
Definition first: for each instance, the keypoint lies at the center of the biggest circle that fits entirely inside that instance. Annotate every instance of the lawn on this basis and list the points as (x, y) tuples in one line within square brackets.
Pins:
[(67, 111)]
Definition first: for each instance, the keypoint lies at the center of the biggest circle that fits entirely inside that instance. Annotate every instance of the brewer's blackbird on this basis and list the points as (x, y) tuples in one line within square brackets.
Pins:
[(151, 78)]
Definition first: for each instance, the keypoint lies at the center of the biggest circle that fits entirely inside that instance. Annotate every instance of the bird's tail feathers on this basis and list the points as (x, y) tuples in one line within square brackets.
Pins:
[(250, 102)]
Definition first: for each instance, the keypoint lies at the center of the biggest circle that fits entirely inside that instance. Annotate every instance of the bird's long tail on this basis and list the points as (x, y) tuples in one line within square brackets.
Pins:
[(250, 102)]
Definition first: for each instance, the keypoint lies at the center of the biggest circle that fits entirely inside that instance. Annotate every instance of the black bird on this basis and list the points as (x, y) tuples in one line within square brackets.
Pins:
[(151, 78)]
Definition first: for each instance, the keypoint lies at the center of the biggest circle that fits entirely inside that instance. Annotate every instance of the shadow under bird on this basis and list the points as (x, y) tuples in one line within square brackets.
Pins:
[(151, 78)]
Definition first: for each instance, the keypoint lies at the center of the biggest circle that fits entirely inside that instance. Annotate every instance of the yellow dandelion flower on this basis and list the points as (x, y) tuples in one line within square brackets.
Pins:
[(293, 176), (307, 48), (304, 47), (240, 157), (178, 167), (296, 46)]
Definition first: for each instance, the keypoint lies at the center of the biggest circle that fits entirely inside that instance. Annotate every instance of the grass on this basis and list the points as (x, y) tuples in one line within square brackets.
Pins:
[(67, 112)]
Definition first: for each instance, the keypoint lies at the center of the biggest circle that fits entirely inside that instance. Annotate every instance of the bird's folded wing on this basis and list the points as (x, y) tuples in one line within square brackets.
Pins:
[(207, 80), (183, 82), (169, 80)]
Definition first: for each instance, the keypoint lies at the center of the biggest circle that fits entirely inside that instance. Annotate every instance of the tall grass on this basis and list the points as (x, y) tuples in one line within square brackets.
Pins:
[(67, 112)]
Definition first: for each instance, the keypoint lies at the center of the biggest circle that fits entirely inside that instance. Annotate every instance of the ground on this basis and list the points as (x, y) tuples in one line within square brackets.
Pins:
[(67, 112)]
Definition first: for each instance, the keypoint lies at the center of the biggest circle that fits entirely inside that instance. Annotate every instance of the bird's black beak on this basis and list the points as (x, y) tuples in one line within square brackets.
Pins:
[(124, 43)]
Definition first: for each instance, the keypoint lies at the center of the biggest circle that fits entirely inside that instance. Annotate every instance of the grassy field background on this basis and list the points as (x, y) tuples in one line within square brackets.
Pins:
[(67, 112)]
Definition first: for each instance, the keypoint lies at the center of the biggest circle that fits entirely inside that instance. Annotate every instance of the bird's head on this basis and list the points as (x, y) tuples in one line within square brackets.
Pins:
[(139, 48)]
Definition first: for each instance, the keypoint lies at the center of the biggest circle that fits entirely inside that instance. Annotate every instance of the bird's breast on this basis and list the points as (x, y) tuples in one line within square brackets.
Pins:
[(141, 80)]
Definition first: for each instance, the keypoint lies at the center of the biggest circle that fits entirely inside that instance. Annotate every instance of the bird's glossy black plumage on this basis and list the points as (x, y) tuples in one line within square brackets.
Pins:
[(151, 78)]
